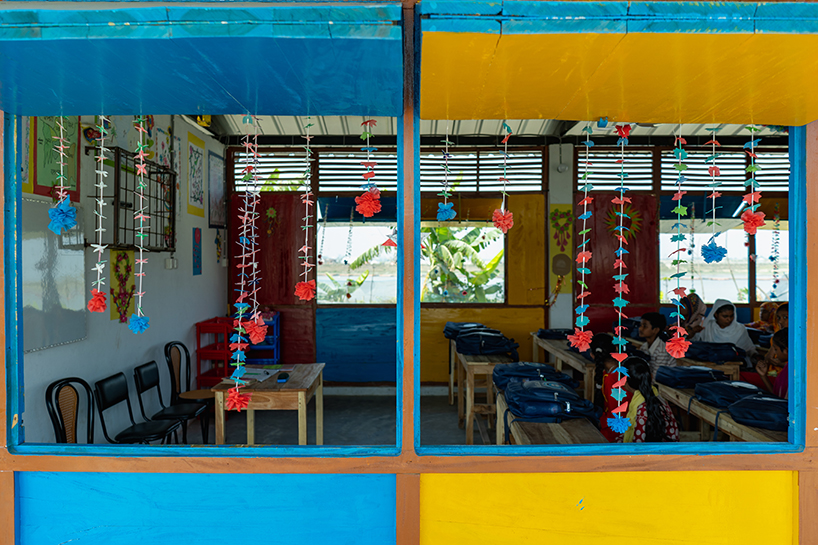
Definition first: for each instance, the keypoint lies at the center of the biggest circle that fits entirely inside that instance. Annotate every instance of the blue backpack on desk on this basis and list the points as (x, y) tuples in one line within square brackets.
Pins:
[(715, 352), (452, 329), (524, 370), (723, 394), (486, 342), (545, 401), (687, 377), (761, 411), (554, 333)]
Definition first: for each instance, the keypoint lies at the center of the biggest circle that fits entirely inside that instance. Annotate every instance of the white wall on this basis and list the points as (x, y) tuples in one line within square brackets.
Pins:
[(560, 191), (174, 301)]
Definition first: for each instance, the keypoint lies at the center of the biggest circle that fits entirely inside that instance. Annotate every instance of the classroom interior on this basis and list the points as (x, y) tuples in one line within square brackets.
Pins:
[(517, 282)]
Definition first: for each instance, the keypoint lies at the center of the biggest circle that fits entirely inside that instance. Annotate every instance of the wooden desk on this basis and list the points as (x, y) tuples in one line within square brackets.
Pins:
[(469, 367), (557, 348), (732, 369), (569, 432), (305, 381), (707, 414)]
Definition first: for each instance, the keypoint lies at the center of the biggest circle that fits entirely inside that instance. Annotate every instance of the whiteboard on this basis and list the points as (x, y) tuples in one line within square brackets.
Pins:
[(53, 280)]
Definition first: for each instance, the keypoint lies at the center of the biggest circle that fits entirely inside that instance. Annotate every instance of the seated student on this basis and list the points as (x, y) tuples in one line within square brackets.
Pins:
[(782, 317), (767, 319), (651, 326), (693, 311), (652, 421), (772, 370), (720, 326), (602, 347)]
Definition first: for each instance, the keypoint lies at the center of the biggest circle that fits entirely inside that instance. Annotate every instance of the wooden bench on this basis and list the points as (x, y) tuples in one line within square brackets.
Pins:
[(558, 349), (732, 369), (569, 432), (468, 368), (707, 414)]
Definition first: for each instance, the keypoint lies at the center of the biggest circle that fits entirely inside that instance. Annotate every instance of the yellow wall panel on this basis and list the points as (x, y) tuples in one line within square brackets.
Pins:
[(516, 323), (718, 508), (526, 250)]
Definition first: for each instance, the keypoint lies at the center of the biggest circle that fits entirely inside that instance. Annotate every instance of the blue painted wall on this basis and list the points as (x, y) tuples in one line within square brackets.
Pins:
[(139, 509), (357, 344)]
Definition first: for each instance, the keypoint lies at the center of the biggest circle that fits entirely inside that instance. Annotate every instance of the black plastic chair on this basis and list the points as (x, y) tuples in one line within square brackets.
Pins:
[(147, 378), (112, 391), (63, 402), (180, 391)]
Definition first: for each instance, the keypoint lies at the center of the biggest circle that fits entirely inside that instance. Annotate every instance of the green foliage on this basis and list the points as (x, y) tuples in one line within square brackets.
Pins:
[(335, 291)]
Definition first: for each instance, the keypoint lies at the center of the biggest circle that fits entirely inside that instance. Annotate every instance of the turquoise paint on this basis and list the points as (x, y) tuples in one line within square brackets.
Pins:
[(357, 344), (798, 284), (140, 508)]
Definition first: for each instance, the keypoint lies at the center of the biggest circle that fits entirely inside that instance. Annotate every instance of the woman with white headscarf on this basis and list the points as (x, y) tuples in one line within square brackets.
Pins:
[(720, 326)]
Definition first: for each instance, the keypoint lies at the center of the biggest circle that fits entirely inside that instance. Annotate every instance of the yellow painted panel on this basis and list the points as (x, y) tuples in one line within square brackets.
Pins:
[(747, 507), (516, 323), (663, 77), (526, 250)]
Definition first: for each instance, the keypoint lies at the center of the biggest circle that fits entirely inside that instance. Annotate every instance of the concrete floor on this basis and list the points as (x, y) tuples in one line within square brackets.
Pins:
[(348, 420)]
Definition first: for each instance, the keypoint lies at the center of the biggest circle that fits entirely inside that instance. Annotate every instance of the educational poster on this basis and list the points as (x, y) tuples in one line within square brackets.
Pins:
[(26, 159), (560, 247), (195, 176), (123, 285), (163, 146), (122, 133), (46, 159), (197, 251), (217, 215)]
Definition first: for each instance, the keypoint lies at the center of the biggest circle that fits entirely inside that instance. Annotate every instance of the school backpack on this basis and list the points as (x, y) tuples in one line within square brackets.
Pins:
[(545, 401), (452, 329), (715, 352), (687, 377), (723, 394), (486, 342), (554, 333), (761, 411), (524, 370)]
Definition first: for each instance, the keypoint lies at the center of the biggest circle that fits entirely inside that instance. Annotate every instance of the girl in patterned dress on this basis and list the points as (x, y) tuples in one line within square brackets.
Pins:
[(652, 421)]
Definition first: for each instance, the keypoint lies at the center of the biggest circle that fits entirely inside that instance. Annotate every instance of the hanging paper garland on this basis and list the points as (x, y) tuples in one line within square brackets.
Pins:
[(62, 214), (97, 303), (774, 258), (255, 327), (581, 339), (139, 322), (445, 209), (369, 203), (619, 423), (751, 217), (502, 218), (677, 346), (712, 252), (305, 289)]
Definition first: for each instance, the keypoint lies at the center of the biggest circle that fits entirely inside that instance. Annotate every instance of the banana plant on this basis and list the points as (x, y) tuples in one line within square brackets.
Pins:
[(339, 292)]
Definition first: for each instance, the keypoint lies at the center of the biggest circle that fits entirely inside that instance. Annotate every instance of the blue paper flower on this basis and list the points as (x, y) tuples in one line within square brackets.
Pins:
[(619, 394), (445, 212), (582, 321), (63, 216), (619, 424), (713, 253), (138, 324), (622, 371)]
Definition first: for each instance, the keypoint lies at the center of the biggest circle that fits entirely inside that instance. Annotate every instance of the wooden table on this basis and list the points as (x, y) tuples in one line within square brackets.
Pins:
[(557, 348), (732, 369), (707, 414), (306, 381), (468, 368), (574, 431)]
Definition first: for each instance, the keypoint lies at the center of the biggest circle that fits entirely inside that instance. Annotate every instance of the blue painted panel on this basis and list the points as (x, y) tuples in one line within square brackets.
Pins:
[(357, 344), (464, 25), (703, 17), (787, 18), (131, 508), (183, 60), (460, 7), (564, 26), (798, 285), (564, 10)]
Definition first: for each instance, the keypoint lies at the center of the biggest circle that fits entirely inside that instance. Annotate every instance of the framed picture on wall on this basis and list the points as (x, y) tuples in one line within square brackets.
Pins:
[(46, 160), (216, 210)]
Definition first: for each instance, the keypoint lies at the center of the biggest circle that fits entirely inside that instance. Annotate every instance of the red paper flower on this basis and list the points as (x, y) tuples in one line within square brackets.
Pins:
[(714, 171), (502, 221), (677, 347), (237, 401), (582, 257), (305, 290), (255, 331), (581, 340), (97, 302), (369, 203), (752, 221)]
